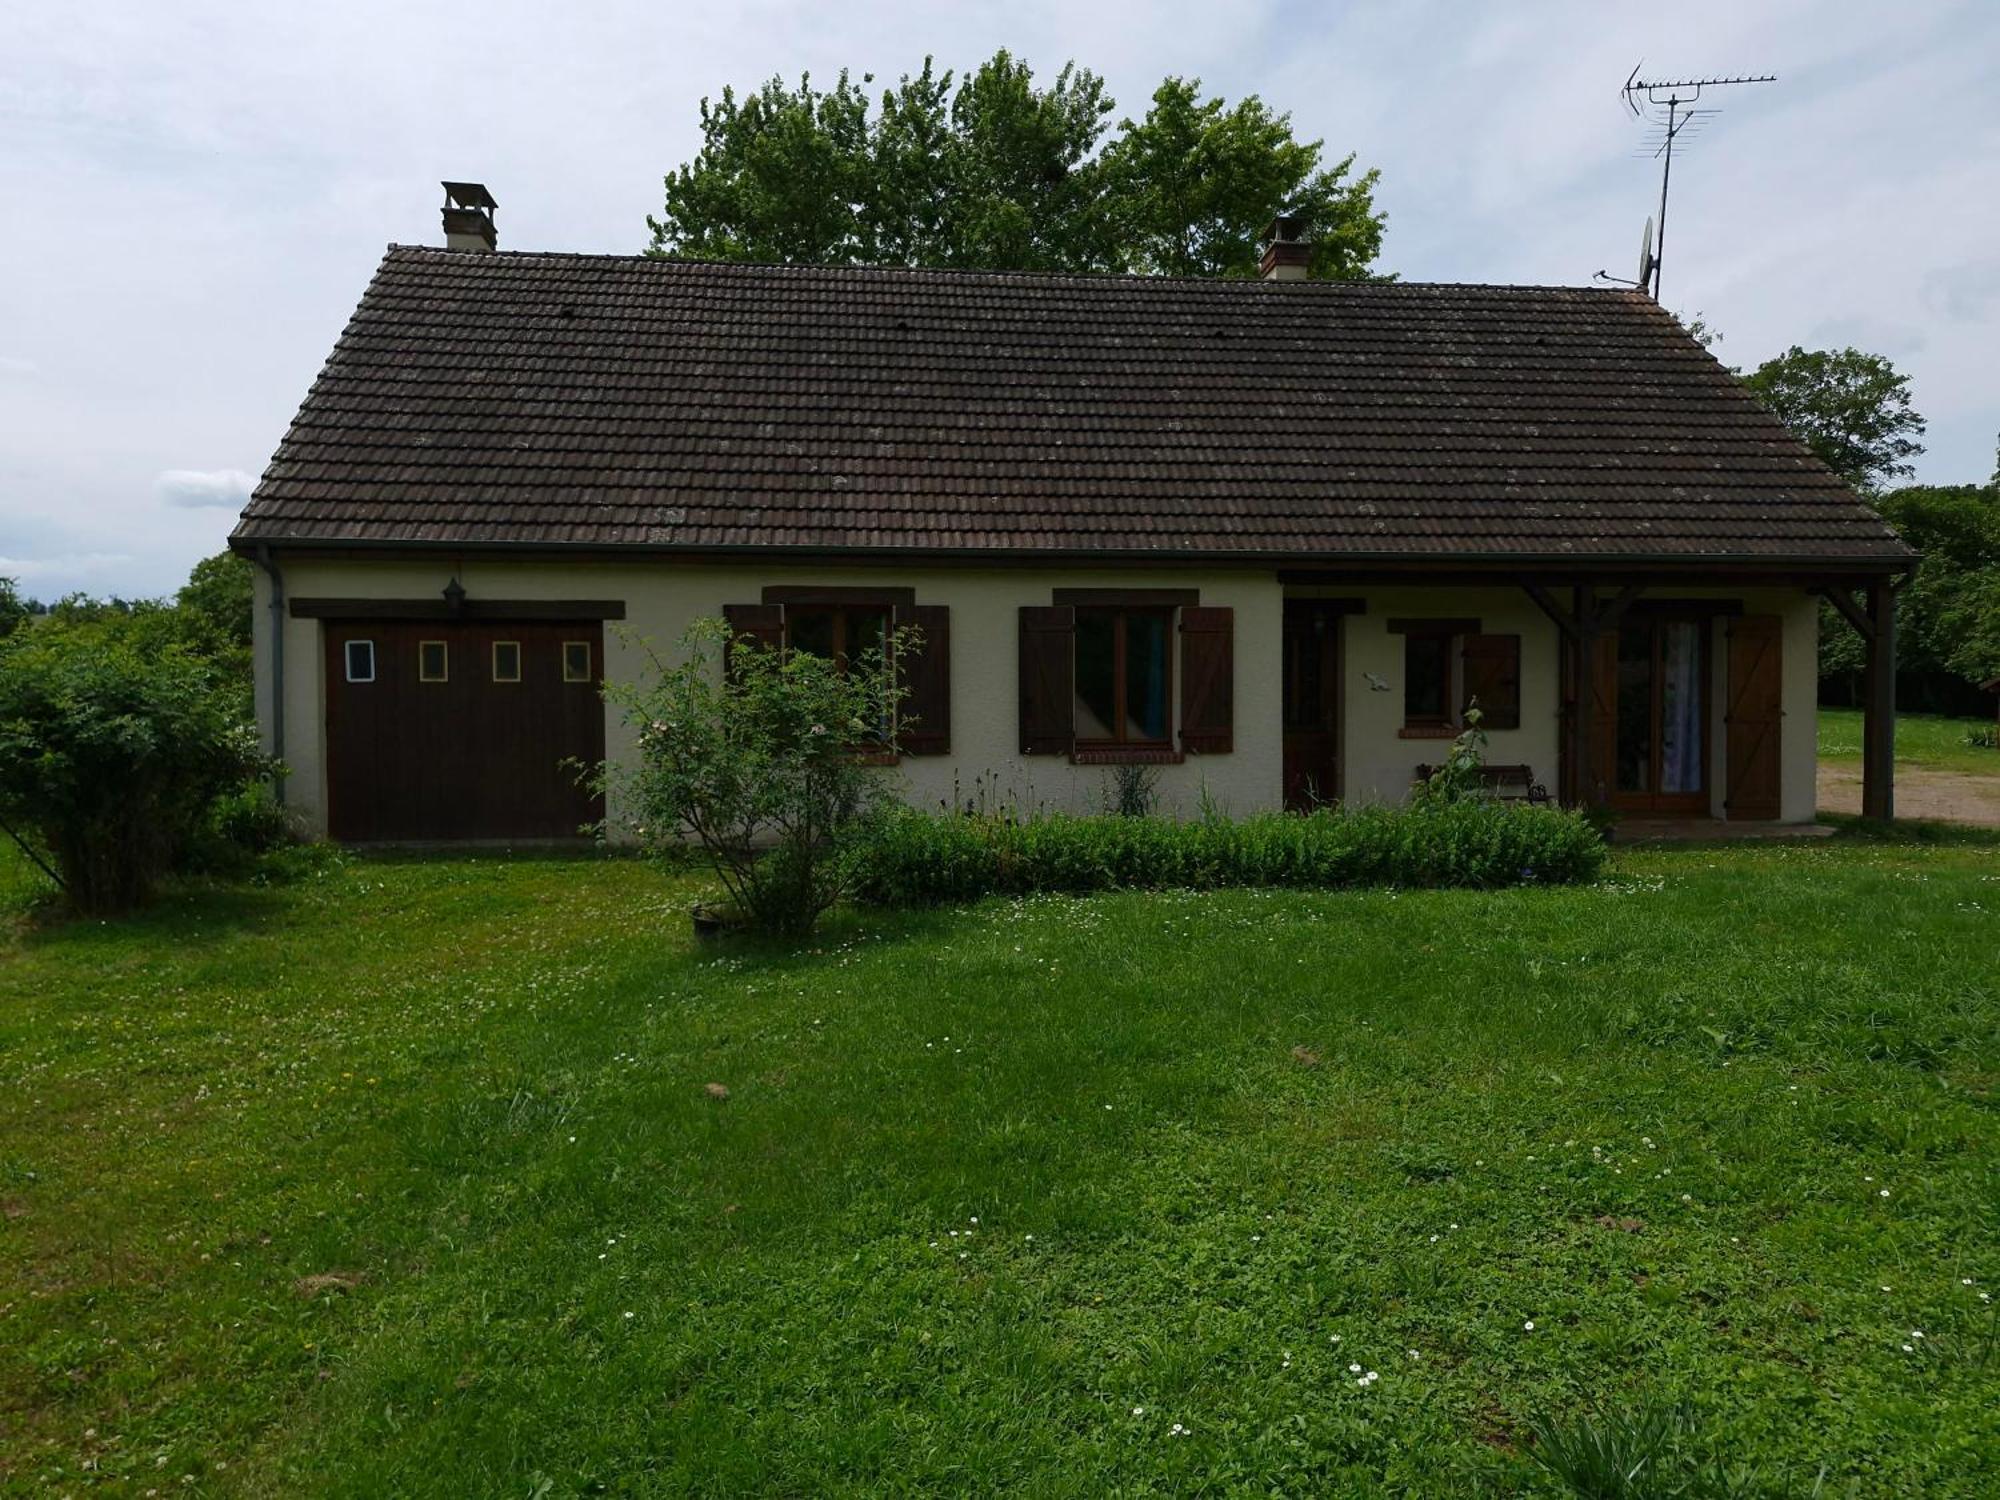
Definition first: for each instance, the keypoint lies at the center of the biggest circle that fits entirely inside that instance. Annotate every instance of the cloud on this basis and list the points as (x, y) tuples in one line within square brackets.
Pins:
[(202, 489), (24, 568), (13, 364)]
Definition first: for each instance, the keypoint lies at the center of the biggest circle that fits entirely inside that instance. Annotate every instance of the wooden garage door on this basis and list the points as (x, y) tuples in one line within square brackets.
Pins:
[(464, 730)]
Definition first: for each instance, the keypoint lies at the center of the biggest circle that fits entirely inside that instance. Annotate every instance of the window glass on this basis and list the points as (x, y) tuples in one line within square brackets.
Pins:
[(838, 632), (433, 661), (1680, 707), (1123, 693), (1635, 708), (1145, 677), (1426, 678), (360, 661), (865, 629), (1096, 681), (810, 630), (506, 661), (576, 661)]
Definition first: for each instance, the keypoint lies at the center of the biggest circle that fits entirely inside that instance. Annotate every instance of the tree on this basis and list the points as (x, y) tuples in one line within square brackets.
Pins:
[(216, 600), (212, 613), (113, 755), (1948, 614), (14, 610), (1196, 181), (995, 172), (1850, 408)]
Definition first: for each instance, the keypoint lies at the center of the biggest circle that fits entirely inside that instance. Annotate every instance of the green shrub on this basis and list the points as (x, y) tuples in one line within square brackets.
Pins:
[(763, 767), (914, 859), (112, 757)]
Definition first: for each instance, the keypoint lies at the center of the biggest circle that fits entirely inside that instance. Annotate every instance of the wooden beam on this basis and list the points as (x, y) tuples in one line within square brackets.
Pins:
[(1843, 600), (1878, 723), (1129, 598), (1607, 616), (470, 609), (1591, 617), (1434, 625), (1545, 601), (820, 593)]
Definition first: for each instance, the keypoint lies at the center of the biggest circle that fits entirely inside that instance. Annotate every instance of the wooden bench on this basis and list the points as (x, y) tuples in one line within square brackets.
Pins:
[(1509, 783)]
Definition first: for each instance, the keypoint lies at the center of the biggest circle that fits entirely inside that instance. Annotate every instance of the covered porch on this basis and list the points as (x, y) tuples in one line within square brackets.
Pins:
[(1671, 695)]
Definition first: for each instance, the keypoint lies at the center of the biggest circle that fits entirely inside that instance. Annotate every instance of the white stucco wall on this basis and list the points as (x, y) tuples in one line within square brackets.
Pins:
[(662, 598)]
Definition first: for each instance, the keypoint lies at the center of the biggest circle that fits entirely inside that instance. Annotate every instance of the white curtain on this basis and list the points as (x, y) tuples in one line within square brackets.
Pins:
[(1680, 707)]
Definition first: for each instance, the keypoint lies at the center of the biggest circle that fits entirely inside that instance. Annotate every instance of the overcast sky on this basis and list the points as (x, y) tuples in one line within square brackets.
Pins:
[(195, 193)]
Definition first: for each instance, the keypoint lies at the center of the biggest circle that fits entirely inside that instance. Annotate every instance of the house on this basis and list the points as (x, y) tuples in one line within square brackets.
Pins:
[(1272, 536)]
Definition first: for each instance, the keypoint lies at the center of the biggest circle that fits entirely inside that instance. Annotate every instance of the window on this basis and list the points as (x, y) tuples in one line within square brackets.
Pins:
[(1124, 693), (1450, 666), (360, 661), (576, 661), (839, 632), (506, 661), (1427, 662), (433, 661)]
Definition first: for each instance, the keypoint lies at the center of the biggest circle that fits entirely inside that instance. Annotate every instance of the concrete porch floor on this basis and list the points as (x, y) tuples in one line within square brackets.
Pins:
[(1690, 830)]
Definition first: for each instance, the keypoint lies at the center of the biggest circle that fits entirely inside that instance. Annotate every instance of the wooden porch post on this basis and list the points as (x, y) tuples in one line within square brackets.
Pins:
[(1587, 618), (1878, 732)]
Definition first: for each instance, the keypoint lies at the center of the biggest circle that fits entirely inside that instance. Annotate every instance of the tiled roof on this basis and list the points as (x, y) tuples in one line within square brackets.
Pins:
[(612, 401)]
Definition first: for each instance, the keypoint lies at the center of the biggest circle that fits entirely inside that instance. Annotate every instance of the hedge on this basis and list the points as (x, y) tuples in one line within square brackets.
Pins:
[(925, 859)]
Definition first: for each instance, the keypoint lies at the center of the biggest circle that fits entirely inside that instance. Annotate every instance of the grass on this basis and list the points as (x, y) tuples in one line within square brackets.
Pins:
[(401, 1177), (1930, 741)]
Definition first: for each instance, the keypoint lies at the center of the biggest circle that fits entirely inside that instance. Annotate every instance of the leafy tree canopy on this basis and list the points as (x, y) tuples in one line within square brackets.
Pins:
[(216, 602), (1850, 408), (995, 172), (13, 608), (1948, 614)]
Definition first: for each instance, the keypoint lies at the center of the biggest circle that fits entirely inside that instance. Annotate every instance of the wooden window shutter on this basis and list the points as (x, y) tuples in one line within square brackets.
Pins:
[(1208, 680), (1755, 719), (1048, 679), (927, 674), (1493, 679), (763, 624)]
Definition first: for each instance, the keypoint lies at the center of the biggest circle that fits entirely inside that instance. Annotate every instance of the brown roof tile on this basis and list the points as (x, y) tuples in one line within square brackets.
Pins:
[(613, 401)]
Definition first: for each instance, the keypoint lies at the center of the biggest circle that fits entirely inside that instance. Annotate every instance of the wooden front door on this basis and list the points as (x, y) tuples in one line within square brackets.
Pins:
[(1311, 703), (1652, 672), (1754, 719), (449, 730)]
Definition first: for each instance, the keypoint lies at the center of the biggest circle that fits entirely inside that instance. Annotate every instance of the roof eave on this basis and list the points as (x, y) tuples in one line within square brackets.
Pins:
[(1901, 560)]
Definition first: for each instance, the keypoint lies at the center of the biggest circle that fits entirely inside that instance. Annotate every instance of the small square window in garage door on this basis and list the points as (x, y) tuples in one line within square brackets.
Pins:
[(360, 661)]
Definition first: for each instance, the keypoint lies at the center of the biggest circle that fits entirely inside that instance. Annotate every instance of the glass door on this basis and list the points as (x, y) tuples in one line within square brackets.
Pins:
[(1661, 756)]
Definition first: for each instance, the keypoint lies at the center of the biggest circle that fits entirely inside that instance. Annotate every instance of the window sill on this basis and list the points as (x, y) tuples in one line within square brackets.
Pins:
[(1429, 732), (1125, 755)]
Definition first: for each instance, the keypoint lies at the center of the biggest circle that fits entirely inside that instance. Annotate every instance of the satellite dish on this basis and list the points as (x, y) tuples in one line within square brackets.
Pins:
[(1646, 261)]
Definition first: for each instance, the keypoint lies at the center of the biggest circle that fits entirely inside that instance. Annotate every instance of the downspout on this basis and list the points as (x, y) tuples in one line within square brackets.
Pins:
[(277, 665)]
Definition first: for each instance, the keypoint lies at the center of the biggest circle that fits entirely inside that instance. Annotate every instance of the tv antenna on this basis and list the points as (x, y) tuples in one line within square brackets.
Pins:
[(1674, 107)]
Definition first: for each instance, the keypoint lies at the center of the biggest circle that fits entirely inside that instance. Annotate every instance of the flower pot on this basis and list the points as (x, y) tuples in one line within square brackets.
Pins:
[(714, 921)]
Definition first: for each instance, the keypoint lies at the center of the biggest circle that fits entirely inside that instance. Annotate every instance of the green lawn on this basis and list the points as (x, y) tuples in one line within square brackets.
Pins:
[(1928, 740), (402, 1178)]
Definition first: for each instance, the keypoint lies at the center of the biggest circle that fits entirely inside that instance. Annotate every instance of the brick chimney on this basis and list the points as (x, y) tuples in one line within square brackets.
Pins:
[(468, 217), (1285, 254)]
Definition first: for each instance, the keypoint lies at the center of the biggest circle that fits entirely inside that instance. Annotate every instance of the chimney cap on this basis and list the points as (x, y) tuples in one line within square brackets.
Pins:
[(1287, 256), (1285, 229), (469, 195)]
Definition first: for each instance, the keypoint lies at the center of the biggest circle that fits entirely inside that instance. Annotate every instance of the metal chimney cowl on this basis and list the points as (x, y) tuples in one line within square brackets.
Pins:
[(468, 217)]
